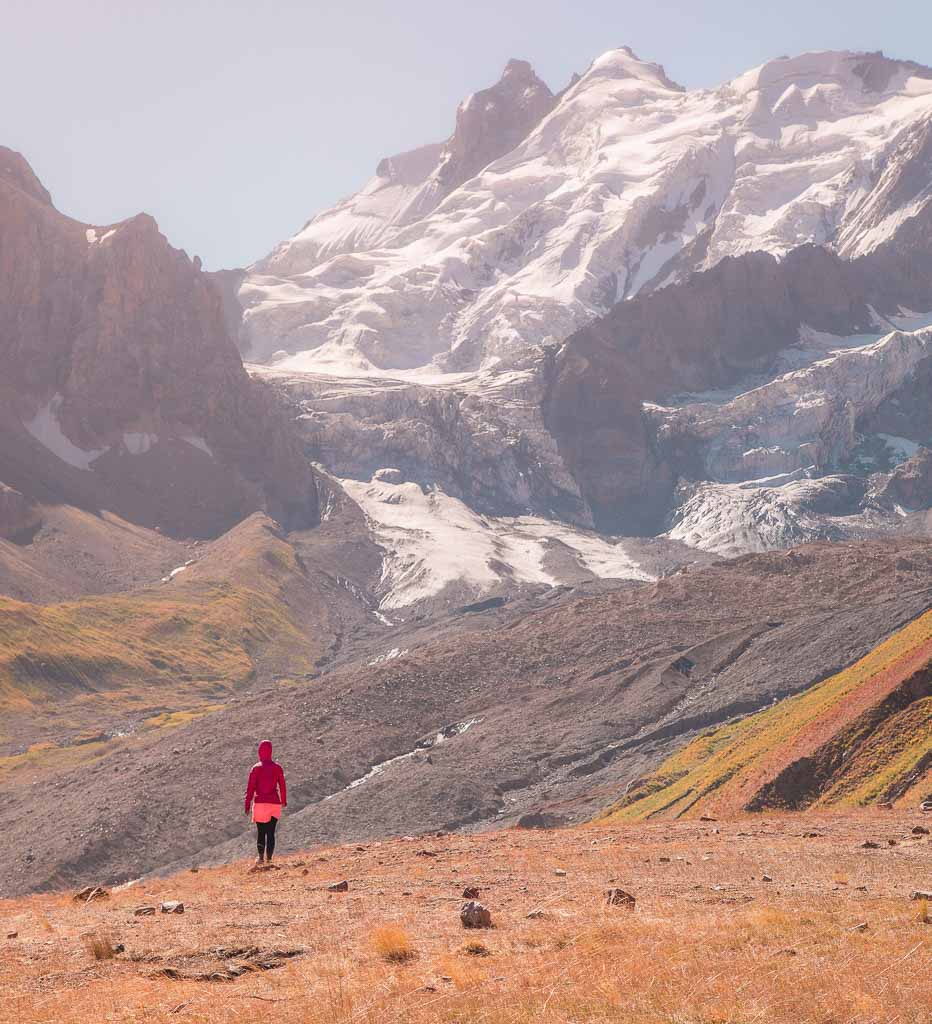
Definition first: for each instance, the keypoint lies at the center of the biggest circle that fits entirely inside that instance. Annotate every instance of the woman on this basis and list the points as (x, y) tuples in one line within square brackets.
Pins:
[(267, 785)]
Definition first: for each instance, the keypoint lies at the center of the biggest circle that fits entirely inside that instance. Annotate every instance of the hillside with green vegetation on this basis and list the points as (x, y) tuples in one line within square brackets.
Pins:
[(862, 736), (175, 646)]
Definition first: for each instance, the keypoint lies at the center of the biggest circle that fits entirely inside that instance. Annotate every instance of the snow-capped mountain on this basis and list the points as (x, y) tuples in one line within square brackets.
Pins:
[(541, 212), (632, 306)]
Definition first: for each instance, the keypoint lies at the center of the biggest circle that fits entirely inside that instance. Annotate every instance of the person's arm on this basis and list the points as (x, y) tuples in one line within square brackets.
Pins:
[(250, 789), (281, 786)]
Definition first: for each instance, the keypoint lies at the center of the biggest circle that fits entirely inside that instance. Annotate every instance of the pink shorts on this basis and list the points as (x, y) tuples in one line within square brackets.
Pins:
[(265, 812)]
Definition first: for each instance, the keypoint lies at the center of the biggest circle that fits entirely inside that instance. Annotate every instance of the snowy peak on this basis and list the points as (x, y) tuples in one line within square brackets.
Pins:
[(859, 76), (624, 63), (409, 186), (542, 212)]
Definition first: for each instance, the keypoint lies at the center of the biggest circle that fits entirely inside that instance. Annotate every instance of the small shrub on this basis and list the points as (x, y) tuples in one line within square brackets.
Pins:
[(476, 949), (99, 946), (393, 944)]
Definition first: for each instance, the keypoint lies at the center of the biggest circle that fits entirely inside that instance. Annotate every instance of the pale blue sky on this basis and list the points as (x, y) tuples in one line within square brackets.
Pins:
[(233, 122)]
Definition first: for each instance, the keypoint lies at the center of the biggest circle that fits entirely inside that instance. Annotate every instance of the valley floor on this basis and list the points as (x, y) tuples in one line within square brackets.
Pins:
[(772, 919)]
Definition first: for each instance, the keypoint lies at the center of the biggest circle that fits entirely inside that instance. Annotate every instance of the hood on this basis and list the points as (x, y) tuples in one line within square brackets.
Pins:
[(265, 750)]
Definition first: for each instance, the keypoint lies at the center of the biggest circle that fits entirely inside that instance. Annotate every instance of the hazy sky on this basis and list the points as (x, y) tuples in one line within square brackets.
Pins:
[(233, 122)]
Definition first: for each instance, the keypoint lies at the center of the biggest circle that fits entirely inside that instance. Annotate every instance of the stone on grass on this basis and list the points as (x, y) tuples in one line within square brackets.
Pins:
[(172, 907), (475, 915), (471, 892), (143, 911), (90, 893), (620, 898), (339, 887)]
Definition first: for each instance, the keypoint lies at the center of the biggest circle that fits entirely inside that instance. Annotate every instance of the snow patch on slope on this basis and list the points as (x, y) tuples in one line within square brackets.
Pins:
[(433, 542), (46, 429)]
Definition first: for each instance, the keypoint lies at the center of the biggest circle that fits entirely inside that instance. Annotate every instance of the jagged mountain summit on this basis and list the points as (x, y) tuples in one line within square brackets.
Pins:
[(410, 186), (622, 183)]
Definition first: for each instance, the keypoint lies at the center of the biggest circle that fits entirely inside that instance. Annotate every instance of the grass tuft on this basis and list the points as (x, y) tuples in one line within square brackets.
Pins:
[(100, 946), (393, 944)]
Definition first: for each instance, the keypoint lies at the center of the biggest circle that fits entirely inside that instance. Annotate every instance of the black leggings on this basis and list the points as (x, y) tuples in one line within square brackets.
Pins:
[(265, 840)]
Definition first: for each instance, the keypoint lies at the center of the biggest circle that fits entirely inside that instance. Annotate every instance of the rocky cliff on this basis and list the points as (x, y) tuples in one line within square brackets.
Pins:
[(122, 388), (752, 369)]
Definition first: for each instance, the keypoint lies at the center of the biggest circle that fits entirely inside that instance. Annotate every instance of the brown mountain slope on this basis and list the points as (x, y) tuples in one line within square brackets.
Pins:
[(861, 736), (549, 704), (122, 389), (245, 607)]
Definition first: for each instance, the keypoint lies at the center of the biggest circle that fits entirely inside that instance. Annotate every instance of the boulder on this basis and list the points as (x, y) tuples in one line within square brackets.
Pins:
[(540, 819), (475, 915), (620, 898), (172, 907), (90, 893)]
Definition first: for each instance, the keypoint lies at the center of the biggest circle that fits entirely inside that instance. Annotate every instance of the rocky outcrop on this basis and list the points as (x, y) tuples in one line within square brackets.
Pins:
[(18, 515), (625, 437), (490, 123), (910, 484), (122, 388)]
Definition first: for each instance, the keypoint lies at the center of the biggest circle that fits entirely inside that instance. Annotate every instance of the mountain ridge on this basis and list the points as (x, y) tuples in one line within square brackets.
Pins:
[(122, 388)]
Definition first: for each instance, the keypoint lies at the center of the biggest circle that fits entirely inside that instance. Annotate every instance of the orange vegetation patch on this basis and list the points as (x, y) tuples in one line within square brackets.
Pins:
[(864, 735), (833, 720), (750, 920)]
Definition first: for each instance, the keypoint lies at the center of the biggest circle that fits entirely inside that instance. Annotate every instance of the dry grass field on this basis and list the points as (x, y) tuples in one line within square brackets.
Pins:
[(778, 919)]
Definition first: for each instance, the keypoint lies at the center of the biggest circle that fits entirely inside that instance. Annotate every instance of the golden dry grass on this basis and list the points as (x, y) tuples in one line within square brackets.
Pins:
[(833, 939), (392, 943)]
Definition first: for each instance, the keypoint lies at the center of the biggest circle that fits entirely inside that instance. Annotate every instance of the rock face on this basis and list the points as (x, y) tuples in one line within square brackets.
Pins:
[(18, 515), (122, 388), (753, 369), (481, 438), (910, 484)]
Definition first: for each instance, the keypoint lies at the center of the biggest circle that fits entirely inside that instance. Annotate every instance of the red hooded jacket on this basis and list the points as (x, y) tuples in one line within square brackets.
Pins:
[(266, 780)]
